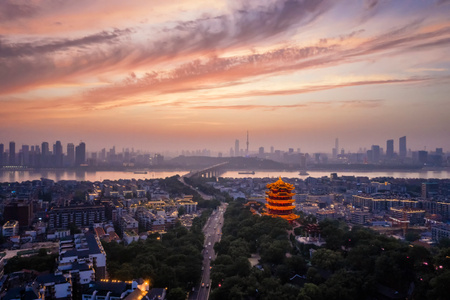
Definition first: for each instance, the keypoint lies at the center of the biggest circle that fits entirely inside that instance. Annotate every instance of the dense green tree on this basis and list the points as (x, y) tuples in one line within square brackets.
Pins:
[(334, 232), (444, 243), (347, 285), (40, 262), (176, 294), (313, 276), (412, 236), (310, 291), (439, 286), (174, 261), (327, 259)]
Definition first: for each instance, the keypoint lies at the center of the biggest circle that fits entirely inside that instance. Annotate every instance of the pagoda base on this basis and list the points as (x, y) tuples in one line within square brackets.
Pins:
[(289, 217)]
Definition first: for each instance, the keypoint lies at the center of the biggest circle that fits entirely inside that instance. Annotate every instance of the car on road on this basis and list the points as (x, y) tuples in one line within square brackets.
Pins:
[(203, 284), (210, 258)]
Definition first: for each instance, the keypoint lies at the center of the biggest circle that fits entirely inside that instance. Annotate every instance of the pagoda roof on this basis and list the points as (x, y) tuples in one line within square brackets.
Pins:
[(289, 217), (280, 201), (280, 208), (280, 194), (280, 184)]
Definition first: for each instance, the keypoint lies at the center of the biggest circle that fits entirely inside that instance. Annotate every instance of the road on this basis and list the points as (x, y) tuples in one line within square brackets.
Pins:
[(213, 232), (203, 195)]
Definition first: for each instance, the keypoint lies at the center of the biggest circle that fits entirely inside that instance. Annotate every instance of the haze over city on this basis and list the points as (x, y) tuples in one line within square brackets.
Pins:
[(199, 74)]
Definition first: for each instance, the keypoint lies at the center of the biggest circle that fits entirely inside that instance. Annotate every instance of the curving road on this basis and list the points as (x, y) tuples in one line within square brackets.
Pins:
[(203, 195)]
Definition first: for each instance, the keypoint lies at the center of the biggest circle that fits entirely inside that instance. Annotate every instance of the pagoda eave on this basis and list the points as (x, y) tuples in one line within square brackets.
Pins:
[(277, 202), (281, 208)]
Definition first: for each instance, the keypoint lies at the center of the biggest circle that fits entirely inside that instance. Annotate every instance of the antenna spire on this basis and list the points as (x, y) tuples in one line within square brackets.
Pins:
[(247, 142)]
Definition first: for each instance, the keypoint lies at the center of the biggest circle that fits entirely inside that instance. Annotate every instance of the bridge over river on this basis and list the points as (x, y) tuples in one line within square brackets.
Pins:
[(212, 171)]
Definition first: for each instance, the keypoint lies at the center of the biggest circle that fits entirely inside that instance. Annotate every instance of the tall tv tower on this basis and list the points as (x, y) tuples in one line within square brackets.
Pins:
[(247, 143)]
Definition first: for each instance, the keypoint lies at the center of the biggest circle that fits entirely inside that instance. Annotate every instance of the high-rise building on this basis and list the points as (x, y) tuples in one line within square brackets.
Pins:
[(376, 153), (336, 148), (236, 148), (369, 155), (25, 161), (45, 154), (429, 189), (103, 154), (2, 151), (21, 211), (402, 147), (45, 148), (80, 154), (423, 157), (70, 154), (261, 150), (35, 156), (57, 154), (12, 153), (389, 149)]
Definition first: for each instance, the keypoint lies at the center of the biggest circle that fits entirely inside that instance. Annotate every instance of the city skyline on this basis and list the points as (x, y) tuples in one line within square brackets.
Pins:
[(399, 148), (194, 75)]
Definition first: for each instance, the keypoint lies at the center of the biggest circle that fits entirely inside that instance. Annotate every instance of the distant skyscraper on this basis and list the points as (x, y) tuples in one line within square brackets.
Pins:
[(390, 148), (303, 161), (376, 153), (103, 154), (57, 154), (80, 154), (336, 148), (25, 155), (12, 153), (261, 150), (45, 149), (423, 157), (45, 154), (70, 154), (32, 156), (369, 154), (246, 151), (2, 151), (402, 147), (236, 148)]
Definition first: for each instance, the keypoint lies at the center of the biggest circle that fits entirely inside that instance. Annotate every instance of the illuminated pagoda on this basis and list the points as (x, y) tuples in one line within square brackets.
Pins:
[(279, 200)]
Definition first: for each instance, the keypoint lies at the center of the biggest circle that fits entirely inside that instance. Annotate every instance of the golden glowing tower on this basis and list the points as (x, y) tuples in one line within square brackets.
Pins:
[(279, 200)]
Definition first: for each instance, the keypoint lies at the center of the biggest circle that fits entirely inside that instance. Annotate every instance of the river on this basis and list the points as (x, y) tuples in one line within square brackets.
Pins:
[(81, 175), (56, 175)]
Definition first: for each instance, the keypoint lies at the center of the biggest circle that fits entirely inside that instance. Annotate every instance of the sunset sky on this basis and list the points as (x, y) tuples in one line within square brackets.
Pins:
[(193, 74)]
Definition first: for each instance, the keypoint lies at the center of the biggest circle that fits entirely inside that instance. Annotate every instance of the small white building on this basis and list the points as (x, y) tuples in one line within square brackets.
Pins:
[(52, 286), (129, 237), (129, 223), (83, 249), (10, 228), (189, 205)]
